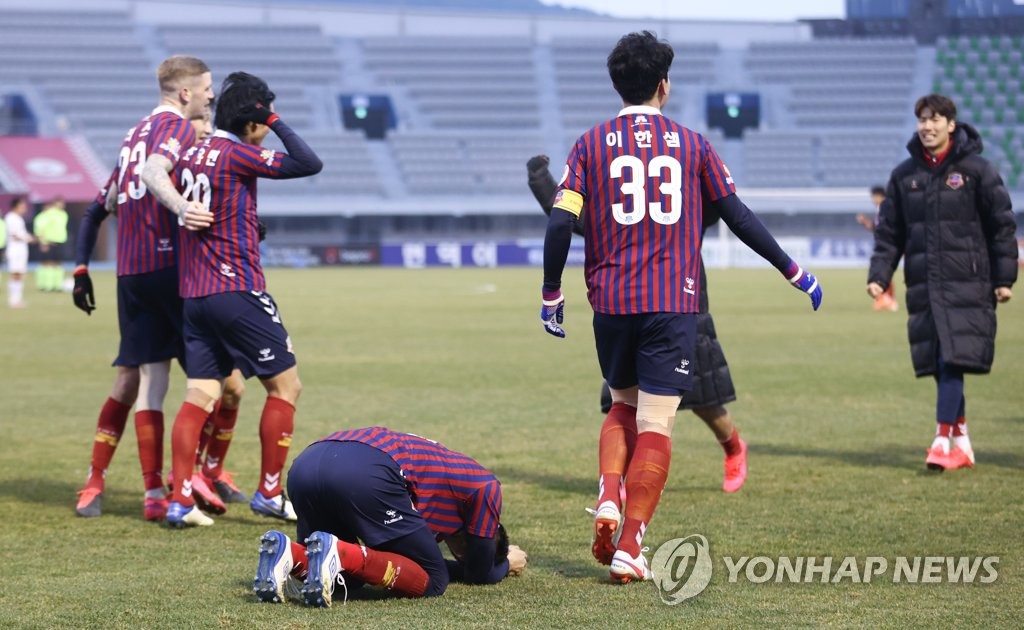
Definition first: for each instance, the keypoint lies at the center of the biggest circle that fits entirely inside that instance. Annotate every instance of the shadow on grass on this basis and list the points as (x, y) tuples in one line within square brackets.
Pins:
[(889, 455), (65, 494)]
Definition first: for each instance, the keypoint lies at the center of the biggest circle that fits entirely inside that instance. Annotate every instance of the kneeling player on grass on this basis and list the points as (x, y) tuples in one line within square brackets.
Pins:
[(372, 506)]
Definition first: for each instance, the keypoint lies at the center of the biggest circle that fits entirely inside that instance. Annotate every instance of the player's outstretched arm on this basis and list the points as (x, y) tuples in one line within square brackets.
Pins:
[(301, 160), (756, 236), (556, 251), (85, 242), (155, 175), (478, 565)]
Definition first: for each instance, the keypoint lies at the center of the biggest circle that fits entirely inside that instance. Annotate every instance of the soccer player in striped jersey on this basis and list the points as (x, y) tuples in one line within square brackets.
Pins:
[(114, 413), (712, 381), (229, 318), (149, 308), (638, 180), (400, 495)]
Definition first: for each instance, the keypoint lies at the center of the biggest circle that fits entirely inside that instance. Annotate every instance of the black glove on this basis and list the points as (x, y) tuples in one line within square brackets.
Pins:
[(537, 163), (257, 113), (262, 229), (82, 293)]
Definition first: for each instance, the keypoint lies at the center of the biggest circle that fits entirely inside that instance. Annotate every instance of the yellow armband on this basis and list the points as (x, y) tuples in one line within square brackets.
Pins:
[(570, 201)]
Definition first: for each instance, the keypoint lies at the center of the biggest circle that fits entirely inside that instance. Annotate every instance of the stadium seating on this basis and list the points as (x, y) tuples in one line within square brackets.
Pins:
[(836, 112), (91, 67), (984, 76)]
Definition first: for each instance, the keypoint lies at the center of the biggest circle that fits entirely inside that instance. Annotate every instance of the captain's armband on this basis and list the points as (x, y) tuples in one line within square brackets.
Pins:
[(570, 201)]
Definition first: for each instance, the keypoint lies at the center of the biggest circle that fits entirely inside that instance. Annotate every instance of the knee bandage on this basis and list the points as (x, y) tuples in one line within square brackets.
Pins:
[(656, 413)]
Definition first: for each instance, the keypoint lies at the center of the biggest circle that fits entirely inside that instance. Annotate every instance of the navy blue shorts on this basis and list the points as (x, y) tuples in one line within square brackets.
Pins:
[(353, 491), (240, 329), (653, 350), (150, 317)]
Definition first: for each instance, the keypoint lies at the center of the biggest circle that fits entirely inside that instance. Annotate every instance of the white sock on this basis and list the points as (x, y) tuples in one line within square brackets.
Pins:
[(14, 289), (963, 443), (942, 442)]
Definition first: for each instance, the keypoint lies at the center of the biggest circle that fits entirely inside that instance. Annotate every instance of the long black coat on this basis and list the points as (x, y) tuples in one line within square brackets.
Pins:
[(954, 228)]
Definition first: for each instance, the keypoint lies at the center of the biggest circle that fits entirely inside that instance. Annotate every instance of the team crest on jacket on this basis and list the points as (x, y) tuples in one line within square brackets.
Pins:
[(955, 180)]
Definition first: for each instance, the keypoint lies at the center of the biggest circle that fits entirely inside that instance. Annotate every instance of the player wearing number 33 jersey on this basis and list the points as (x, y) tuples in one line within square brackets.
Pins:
[(640, 176), (638, 182)]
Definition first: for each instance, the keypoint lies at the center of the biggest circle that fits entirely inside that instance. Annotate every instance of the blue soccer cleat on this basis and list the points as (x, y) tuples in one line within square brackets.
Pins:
[(278, 507), (274, 566), (180, 516), (324, 569)]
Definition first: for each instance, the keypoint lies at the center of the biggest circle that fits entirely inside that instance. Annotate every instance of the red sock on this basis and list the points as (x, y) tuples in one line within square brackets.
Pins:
[(943, 429), (382, 568), (960, 428), (731, 445), (276, 424), (204, 436), (109, 428), (615, 449), (223, 430), (645, 481), (149, 429), (188, 424), (300, 565)]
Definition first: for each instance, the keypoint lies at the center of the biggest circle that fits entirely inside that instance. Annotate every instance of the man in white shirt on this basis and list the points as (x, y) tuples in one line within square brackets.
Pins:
[(18, 239)]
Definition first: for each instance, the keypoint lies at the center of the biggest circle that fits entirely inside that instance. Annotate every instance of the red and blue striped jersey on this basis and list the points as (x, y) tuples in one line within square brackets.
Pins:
[(221, 173), (147, 233), (639, 179), (451, 491), (101, 196)]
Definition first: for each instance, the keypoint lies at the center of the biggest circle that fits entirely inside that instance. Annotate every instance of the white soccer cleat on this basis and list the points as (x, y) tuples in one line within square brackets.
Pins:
[(607, 529), (179, 516), (324, 569), (274, 567), (625, 568)]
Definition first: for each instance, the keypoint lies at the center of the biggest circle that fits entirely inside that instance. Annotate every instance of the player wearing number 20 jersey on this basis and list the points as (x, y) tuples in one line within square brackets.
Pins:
[(641, 177), (229, 319)]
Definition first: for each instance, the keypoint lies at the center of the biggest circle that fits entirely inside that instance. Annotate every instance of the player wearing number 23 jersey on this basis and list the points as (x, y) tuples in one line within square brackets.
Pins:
[(146, 232)]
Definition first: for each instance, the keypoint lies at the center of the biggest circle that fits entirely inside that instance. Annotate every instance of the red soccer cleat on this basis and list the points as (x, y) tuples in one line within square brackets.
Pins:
[(959, 458), (89, 502), (206, 497), (154, 509), (938, 459), (735, 469), (607, 520)]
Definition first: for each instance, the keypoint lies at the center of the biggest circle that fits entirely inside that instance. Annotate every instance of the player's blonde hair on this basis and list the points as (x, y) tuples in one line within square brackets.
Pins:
[(175, 69)]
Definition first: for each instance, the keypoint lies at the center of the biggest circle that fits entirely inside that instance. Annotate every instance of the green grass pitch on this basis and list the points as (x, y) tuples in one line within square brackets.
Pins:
[(836, 422)]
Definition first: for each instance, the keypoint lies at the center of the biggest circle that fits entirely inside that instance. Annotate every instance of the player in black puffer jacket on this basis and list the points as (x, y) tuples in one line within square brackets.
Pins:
[(948, 215), (712, 383)]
